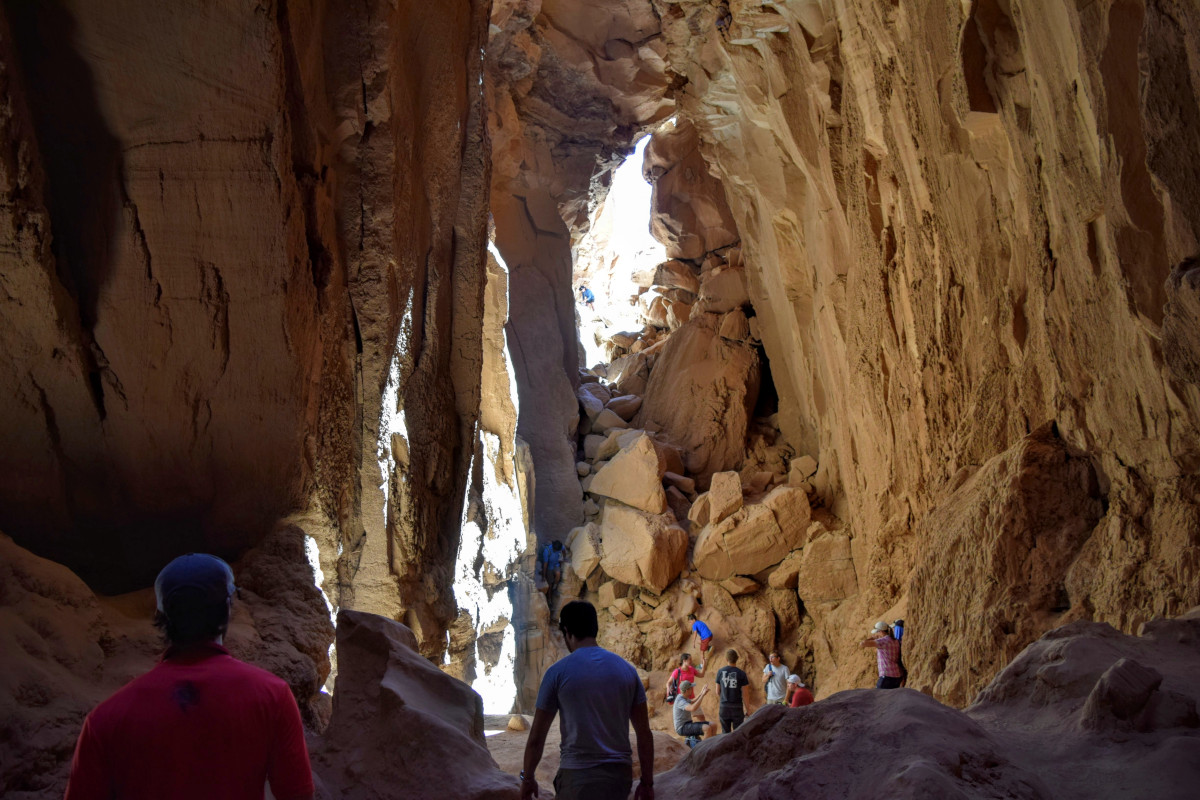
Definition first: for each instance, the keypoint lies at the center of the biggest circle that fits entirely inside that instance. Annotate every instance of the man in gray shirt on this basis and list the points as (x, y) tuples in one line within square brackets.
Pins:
[(775, 676), (685, 705), (599, 694)]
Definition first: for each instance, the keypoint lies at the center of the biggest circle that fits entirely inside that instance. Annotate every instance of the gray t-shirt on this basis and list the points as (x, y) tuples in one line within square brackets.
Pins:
[(777, 685), (682, 715), (594, 690)]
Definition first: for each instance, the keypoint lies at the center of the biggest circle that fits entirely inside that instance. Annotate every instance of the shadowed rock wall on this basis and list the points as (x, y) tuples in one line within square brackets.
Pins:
[(236, 233)]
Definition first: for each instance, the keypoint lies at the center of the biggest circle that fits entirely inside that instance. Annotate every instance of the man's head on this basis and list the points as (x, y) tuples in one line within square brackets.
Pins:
[(577, 621), (795, 680), (731, 656), (194, 594), (557, 546), (881, 629), (685, 659), (774, 659), (685, 687)]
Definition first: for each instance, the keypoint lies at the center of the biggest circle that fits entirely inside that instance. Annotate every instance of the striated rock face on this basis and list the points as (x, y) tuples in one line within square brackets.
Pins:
[(956, 227), (1085, 712), (244, 244), (701, 394), (690, 215), (1002, 543)]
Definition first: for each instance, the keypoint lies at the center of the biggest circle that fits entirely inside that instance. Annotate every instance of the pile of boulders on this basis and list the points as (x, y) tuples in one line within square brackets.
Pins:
[(692, 503)]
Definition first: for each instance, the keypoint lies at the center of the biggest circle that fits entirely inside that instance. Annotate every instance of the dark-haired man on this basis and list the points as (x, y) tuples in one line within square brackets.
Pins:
[(734, 686), (201, 724), (598, 694)]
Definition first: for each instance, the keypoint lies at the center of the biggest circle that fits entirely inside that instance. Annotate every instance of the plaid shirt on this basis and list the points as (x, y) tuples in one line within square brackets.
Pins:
[(887, 653)]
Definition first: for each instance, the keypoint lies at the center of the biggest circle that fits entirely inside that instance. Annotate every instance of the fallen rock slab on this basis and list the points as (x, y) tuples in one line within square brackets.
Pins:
[(633, 477), (643, 549), (400, 720)]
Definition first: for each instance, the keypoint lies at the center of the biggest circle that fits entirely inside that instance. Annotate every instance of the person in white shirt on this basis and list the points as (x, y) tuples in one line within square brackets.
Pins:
[(775, 678)]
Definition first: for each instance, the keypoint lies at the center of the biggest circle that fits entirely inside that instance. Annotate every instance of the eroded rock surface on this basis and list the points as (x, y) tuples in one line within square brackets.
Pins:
[(398, 721)]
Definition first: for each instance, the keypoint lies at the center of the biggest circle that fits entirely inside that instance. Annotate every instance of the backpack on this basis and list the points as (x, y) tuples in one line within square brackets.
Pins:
[(673, 688)]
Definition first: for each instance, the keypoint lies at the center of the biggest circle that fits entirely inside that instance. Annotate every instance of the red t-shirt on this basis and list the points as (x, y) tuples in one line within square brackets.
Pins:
[(801, 697), (200, 725)]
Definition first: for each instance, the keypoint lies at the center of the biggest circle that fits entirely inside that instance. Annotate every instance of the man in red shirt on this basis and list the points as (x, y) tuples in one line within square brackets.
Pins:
[(201, 724), (887, 652), (801, 696)]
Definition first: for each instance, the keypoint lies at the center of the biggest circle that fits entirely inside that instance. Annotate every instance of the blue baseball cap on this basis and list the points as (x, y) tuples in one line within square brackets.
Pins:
[(197, 578)]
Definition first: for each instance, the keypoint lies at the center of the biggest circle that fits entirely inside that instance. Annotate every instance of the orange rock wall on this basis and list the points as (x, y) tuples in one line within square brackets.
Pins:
[(229, 227), (958, 219)]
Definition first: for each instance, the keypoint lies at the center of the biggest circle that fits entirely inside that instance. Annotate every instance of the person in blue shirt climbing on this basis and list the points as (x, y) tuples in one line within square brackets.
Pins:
[(588, 298), (702, 633), (552, 555)]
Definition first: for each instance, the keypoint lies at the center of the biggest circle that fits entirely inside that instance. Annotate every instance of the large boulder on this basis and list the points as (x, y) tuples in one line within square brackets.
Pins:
[(388, 700), (647, 550), (700, 395), (584, 544), (677, 274), (755, 537), (724, 290), (738, 545), (634, 477), (690, 214), (827, 570)]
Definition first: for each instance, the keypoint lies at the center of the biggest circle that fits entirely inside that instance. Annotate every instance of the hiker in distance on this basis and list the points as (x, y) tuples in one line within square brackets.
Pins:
[(887, 656), (201, 724), (598, 695), (704, 637)]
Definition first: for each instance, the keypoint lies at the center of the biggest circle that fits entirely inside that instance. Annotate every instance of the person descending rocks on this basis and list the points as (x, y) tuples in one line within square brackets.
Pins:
[(703, 634), (552, 556), (887, 656), (734, 688), (801, 696), (598, 694), (589, 299), (201, 724), (775, 676), (689, 721)]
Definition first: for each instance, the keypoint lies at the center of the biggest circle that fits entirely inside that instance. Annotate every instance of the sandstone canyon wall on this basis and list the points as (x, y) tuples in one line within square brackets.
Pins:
[(957, 222), (244, 280)]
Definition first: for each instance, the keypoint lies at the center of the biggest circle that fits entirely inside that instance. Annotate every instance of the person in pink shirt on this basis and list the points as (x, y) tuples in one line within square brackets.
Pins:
[(887, 655)]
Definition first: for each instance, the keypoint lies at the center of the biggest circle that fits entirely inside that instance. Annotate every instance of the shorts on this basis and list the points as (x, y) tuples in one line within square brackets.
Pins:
[(691, 729), (731, 721), (887, 683), (705, 644), (604, 782)]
